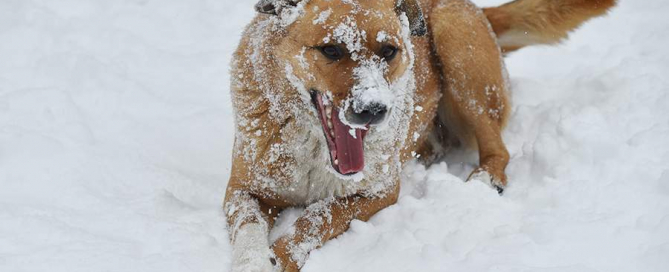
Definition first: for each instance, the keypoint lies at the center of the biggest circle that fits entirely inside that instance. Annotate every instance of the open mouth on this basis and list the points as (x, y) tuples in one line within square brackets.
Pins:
[(344, 142)]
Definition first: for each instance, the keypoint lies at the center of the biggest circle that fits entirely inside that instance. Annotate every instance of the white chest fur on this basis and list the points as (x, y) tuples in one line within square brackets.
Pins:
[(313, 177)]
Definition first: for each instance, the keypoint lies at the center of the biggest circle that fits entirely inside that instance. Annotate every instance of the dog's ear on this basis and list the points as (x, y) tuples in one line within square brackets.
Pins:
[(266, 6), (274, 7), (413, 11)]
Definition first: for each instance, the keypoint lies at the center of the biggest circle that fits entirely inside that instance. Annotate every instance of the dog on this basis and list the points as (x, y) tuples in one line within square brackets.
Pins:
[(332, 97)]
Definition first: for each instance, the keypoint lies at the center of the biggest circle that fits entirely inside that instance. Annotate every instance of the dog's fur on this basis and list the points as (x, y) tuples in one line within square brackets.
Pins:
[(448, 85)]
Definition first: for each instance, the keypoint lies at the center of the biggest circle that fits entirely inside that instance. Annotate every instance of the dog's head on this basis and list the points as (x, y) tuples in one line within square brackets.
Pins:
[(348, 55)]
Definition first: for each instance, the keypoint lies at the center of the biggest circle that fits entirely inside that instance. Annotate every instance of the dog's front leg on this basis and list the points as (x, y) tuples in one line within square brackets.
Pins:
[(323, 221), (249, 225)]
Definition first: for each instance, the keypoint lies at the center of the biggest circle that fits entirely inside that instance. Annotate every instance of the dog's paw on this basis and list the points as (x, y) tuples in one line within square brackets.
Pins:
[(484, 176), (251, 252)]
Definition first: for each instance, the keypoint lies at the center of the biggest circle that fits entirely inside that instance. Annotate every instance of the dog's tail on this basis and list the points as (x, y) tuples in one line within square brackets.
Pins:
[(527, 22)]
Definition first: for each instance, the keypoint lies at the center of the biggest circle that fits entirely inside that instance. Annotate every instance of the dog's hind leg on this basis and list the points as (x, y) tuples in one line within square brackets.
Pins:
[(474, 104)]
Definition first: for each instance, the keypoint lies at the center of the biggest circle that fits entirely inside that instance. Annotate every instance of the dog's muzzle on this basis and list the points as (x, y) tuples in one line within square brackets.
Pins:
[(367, 114)]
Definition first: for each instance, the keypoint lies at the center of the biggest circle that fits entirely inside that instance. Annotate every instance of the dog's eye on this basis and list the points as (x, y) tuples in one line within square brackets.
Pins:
[(332, 52), (388, 52)]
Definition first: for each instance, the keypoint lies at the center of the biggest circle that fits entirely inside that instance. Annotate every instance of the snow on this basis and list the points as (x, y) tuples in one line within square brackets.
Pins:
[(381, 36), (116, 133), (348, 33), (371, 87), (322, 17)]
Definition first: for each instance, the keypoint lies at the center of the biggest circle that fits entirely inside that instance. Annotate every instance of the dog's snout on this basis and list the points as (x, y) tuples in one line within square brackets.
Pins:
[(376, 109), (370, 114)]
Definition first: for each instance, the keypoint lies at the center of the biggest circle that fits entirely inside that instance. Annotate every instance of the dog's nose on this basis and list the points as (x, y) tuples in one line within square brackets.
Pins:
[(370, 114)]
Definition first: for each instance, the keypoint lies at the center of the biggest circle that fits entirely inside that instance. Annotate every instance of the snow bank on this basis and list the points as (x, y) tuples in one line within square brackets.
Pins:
[(116, 134)]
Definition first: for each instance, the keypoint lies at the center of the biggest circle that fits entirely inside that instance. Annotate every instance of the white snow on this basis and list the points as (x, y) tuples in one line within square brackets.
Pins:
[(348, 33), (371, 86), (381, 36), (322, 17), (116, 133)]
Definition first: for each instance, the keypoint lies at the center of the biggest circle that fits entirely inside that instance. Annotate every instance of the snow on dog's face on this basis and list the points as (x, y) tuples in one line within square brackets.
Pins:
[(350, 58)]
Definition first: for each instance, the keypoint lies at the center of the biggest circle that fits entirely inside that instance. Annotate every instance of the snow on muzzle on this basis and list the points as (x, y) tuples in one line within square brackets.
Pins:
[(372, 113), (371, 97)]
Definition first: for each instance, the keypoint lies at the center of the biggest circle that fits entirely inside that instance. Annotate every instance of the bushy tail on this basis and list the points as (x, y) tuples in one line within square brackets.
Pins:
[(526, 22)]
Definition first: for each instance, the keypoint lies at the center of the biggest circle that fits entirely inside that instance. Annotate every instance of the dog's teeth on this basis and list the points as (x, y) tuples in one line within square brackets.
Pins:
[(336, 162), (328, 112)]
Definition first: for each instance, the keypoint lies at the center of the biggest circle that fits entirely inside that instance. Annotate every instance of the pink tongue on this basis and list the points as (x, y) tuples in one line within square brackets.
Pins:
[(350, 154)]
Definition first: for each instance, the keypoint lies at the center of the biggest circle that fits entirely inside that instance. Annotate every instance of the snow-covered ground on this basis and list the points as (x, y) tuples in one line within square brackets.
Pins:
[(116, 134)]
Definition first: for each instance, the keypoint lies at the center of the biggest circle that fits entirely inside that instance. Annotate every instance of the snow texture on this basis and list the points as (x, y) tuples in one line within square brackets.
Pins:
[(116, 131)]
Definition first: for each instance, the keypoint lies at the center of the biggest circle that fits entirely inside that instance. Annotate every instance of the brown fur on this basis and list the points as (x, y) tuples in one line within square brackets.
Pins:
[(460, 85), (527, 22)]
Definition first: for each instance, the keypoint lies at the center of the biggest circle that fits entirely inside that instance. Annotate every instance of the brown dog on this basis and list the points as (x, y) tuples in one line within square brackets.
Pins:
[(333, 96)]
